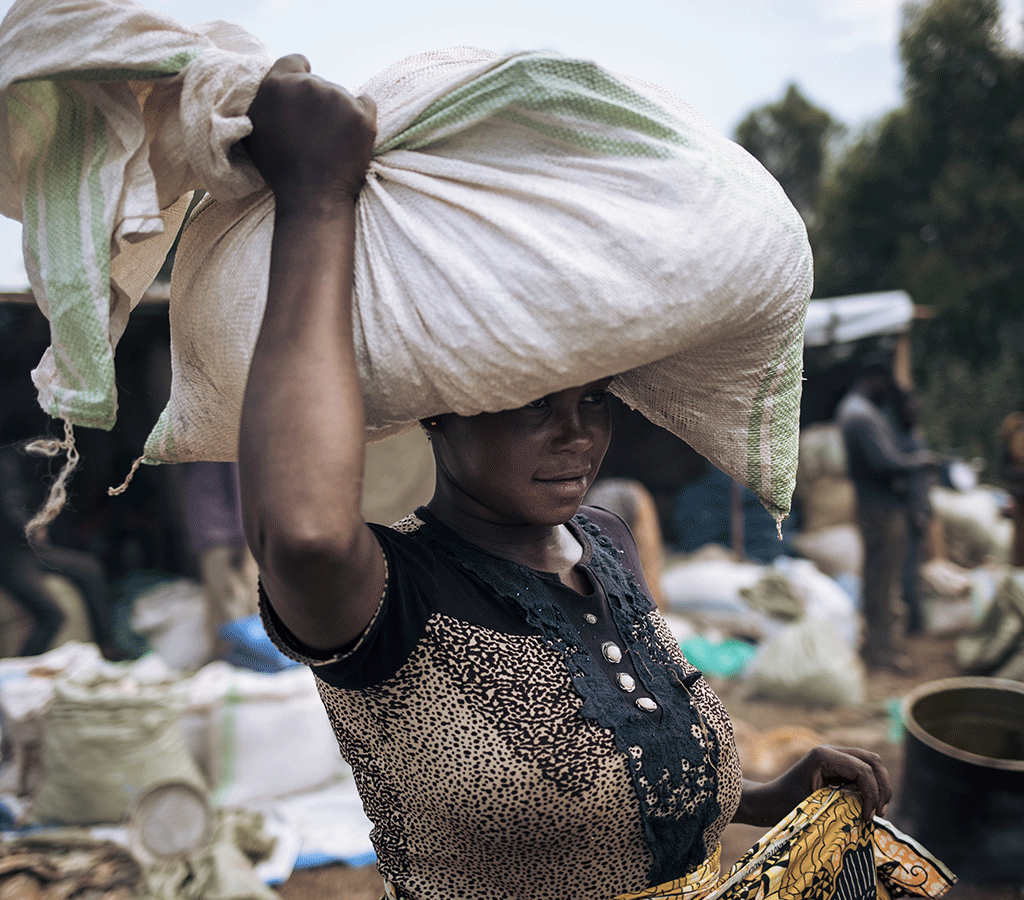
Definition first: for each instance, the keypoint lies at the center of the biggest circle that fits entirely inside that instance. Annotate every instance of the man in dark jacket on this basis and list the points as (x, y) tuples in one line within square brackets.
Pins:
[(880, 472)]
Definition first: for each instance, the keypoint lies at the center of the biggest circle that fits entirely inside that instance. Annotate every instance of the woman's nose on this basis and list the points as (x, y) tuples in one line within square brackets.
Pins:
[(572, 433)]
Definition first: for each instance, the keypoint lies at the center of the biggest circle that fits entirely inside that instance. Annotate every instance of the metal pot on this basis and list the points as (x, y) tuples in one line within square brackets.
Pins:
[(962, 795)]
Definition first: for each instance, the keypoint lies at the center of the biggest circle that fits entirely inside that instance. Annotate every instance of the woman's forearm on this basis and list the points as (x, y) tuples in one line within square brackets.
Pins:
[(301, 431), (756, 806), (301, 438)]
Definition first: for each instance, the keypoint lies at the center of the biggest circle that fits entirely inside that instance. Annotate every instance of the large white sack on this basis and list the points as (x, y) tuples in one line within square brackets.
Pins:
[(838, 550), (105, 743), (529, 223), (27, 688), (172, 617), (806, 662), (710, 593), (822, 597)]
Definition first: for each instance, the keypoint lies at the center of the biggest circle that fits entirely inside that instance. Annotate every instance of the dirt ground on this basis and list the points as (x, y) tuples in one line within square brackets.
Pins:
[(868, 726)]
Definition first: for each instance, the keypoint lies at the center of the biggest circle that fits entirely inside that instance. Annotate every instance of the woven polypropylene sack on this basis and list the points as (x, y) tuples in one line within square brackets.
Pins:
[(102, 746), (530, 223)]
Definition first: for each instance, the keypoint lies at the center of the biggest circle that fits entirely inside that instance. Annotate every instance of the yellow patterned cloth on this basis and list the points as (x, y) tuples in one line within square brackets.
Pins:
[(821, 850)]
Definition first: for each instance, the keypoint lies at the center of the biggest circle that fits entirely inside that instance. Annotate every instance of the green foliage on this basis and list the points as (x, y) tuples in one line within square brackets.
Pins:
[(964, 405), (791, 140), (930, 199)]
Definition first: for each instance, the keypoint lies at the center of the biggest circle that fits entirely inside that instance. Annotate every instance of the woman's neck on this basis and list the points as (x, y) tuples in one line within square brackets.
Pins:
[(547, 548)]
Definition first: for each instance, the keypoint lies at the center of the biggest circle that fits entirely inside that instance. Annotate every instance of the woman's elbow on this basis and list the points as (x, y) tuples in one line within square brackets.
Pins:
[(292, 551)]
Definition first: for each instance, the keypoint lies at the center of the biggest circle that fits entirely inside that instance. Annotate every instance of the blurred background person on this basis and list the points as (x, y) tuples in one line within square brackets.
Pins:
[(1011, 470), (906, 413), (23, 568), (880, 470)]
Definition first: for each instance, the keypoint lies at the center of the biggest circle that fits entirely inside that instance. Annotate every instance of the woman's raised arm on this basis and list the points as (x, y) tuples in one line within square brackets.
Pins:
[(301, 439)]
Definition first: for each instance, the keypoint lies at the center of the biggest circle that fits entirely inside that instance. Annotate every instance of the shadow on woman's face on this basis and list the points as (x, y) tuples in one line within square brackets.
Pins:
[(531, 465)]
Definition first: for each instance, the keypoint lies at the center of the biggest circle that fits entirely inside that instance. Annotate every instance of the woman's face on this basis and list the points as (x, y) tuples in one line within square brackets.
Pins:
[(531, 465)]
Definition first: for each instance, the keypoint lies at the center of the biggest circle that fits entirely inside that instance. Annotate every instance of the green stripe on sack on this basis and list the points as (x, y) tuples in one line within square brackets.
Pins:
[(20, 111), (160, 445), (172, 65), (785, 442), (530, 86), (67, 221), (79, 300), (23, 108), (782, 383), (227, 761)]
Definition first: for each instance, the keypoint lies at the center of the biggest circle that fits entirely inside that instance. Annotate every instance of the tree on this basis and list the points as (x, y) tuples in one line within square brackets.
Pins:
[(931, 200), (791, 140)]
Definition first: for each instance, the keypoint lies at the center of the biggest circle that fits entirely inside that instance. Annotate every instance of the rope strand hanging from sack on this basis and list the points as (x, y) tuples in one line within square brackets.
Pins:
[(58, 494)]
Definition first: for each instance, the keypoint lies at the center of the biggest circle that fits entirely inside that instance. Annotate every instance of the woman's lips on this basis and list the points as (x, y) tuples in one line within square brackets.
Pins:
[(567, 477)]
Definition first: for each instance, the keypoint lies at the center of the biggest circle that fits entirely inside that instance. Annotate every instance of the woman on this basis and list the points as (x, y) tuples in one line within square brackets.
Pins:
[(519, 721)]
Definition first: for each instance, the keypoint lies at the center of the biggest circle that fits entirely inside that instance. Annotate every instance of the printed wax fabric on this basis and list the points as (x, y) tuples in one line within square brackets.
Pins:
[(821, 850)]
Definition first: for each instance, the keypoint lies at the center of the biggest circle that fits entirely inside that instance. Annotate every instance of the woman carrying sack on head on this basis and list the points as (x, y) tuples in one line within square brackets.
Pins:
[(519, 720)]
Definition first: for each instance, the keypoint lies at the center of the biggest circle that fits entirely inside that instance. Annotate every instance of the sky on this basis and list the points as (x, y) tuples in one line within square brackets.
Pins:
[(725, 57)]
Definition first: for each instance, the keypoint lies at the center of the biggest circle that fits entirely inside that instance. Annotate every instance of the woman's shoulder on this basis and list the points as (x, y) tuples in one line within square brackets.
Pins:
[(607, 530), (609, 525)]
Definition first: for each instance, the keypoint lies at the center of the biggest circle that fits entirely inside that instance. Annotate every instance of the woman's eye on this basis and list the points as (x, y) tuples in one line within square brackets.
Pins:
[(537, 404), (595, 397)]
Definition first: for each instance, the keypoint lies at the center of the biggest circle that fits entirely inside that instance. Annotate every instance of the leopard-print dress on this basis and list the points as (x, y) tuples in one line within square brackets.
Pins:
[(514, 739)]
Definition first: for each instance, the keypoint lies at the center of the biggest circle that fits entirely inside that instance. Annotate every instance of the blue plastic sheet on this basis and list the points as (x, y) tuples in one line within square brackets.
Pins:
[(251, 648)]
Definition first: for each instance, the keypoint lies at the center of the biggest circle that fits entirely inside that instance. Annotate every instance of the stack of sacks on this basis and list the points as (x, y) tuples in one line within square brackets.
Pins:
[(975, 532), (823, 491), (529, 223), (231, 725), (756, 602), (707, 591)]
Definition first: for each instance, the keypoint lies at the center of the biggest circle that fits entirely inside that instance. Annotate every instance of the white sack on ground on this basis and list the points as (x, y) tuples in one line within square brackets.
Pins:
[(974, 529), (822, 597), (260, 723), (27, 688), (709, 593), (837, 551), (529, 223), (807, 662), (105, 743), (172, 615)]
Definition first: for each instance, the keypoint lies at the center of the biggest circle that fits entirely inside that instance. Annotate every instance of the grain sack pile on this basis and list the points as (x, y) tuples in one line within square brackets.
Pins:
[(529, 223)]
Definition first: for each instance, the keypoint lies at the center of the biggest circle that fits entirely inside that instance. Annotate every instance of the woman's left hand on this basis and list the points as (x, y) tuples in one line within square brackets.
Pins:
[(767, 804)]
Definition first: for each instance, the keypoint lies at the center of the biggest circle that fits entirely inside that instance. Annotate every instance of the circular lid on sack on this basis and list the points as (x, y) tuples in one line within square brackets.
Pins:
[(170, 820)]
